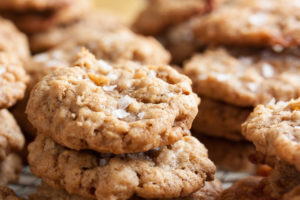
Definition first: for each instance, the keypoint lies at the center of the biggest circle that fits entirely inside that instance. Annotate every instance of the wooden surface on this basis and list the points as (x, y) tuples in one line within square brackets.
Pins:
[(127, 9)]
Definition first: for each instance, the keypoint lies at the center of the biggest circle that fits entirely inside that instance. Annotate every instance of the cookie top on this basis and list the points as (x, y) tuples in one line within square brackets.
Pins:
[(245, 78), (32, 17), (12, 40), (161, 14), (11, 137), (252, 23), (33, 5), (274, 129), (8, 194), (221, 120), (249, 188), (117, 109), (93, 22), (211, 191), (167, 172), (13, 79)]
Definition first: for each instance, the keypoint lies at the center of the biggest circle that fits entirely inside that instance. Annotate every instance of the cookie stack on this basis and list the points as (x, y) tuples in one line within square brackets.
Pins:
[(274, 130), (115, 132), (13, 79)]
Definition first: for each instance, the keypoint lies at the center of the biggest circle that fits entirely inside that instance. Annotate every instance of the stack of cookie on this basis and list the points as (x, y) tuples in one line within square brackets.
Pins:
[(274, 129), (117, 131), (13, 51)]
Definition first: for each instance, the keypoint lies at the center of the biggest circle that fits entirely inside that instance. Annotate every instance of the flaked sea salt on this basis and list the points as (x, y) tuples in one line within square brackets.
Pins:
[(258, 19), (109, 88), (41, 57), (125, 101), (252, 86), (152, 74), (2, 70), (112, 76), (222, 77), (120, 113), (267, 70), (141, 115), (105, 65)]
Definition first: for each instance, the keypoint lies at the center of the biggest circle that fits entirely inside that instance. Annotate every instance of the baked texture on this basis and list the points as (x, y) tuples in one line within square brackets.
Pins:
[(10, 169), (11, 137), (244, 77), (121, 109), (92, 22), (228, 155), (256, 23), (221, 120), (211, 191), (36, 16), (250, 188), (167, 172), (274, 130), (159, 15), (13, 79), (12, 40), (8, 194)]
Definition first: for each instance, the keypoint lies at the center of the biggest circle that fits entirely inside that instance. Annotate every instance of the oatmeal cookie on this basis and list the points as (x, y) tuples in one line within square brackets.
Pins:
[(245, 78), (171, 171), (8, 194), (13, 79), (11, 137), (161, 14), (249, 188), (228, 155), (274, 130), (218, 119), (93, 22), (117, 109), (10, 169), (211, 191), (12, 40), (252, 23), (33, 16)]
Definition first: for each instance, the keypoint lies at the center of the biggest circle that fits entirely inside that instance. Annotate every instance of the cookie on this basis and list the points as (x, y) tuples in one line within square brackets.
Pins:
[(36, 16), (274, 130), (211, 191), (122, 108), (93, 22), (218, 119), (13, 79), (167, 172), (294, 194), (8, 194), (11, 137), (161, 14), (245, 79), (249, 188), (252, 23), (10, 169), (228, 155), (12, 40)]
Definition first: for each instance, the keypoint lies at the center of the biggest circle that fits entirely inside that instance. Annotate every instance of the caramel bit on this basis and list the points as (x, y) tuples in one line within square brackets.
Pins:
[(140, 74), (99, 79), (295, 106)]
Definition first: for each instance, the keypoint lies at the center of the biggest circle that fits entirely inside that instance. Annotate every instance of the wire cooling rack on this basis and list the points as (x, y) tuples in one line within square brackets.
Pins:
[(28, 182)]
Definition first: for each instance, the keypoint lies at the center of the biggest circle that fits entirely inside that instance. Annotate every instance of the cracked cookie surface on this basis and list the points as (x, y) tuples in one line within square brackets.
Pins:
[(171, 171), (118, 109)]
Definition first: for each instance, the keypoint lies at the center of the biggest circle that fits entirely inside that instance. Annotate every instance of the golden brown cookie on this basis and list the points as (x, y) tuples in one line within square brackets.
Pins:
[(92, 22), (161, 14), (8, 194), (171, 171), (218, 119), (11, 137), (13, 79), (122, 108), (12, 40), (274, 130), (245, 78), (252, 23), (211, 191), (33, 16), (10, 169), (228, 155)]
